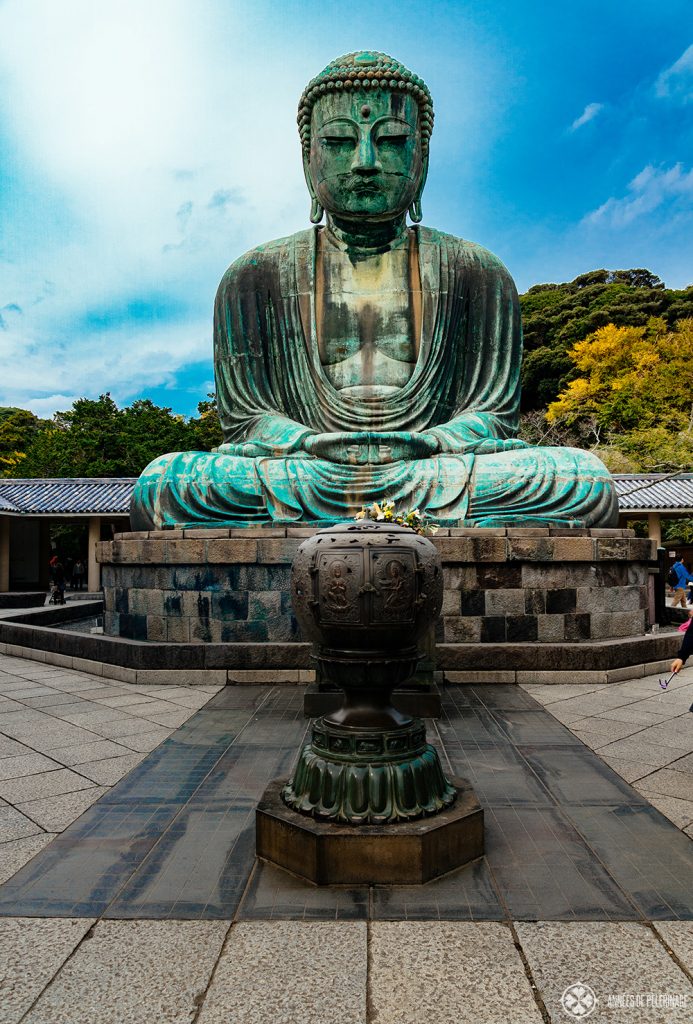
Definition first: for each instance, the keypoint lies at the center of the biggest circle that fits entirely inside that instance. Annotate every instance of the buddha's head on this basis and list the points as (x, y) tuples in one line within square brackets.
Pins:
[(365, 123)]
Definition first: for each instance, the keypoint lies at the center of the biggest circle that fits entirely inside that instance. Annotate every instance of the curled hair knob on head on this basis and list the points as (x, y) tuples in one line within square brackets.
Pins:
[(366, 70)]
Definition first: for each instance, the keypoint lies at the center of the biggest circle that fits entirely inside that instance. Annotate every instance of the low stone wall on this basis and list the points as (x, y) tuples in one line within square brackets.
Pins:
[(512, 585)]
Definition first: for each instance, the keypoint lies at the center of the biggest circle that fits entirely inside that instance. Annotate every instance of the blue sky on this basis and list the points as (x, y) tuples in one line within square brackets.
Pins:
[(146, 144)]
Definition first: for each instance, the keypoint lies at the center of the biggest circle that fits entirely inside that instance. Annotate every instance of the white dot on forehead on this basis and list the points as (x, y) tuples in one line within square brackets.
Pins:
[(365, 110)]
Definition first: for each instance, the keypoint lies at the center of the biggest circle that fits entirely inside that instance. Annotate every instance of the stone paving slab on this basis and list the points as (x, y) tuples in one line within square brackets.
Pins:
[(15, 825), (441, 972), (15, 853), (614, 960), (31, 952), (678, 935), (56, 813), (313, 973), (134, 971)]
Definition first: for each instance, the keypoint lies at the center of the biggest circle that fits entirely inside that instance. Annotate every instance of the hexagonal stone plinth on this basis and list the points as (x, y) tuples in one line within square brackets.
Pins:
[(407, 854)]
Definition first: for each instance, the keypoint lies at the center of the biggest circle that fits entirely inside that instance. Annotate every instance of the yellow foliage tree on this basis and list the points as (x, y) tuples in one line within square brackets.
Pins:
[(636, 385)]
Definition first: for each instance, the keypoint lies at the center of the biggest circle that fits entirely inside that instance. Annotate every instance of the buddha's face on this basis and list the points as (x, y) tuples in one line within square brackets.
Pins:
[(365, 156)]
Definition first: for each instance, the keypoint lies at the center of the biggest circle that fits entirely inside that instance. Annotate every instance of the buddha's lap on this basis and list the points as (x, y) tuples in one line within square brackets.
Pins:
[(488, 470)]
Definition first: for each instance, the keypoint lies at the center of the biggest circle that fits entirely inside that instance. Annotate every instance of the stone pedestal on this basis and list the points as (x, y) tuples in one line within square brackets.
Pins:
[(502, 586), (406, 854)]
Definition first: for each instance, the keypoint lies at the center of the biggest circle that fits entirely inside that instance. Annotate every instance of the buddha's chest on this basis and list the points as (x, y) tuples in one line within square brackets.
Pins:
[(366, 322)]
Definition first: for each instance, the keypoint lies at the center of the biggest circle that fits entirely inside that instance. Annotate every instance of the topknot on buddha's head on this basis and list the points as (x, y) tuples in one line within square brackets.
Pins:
[(364, 71)]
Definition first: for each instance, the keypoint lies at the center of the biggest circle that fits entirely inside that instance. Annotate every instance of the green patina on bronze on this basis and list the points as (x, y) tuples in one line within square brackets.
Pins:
[(364, 359), (368, 778)]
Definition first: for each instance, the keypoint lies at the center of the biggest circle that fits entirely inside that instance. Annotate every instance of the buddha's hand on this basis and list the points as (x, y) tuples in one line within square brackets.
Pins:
[(362, 448), (244, 449), (492, 445)]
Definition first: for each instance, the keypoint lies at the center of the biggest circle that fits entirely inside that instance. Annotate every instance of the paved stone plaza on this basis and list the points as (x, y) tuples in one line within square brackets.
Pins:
[(132, 893)]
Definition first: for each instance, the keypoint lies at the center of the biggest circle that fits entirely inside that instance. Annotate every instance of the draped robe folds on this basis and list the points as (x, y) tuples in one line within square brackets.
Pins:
[(272, 393)]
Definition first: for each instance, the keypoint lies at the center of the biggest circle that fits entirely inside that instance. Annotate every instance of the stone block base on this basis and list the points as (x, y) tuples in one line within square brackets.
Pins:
[(407, 854), (536, 585)]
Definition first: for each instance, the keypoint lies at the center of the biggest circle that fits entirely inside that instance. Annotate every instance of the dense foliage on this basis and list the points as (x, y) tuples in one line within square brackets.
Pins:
[(556, 316), (632, 401), (96, 438)]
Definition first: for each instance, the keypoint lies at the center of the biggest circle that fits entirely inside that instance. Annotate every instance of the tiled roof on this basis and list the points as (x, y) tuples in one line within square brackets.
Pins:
[(95, 496), (655, 491)]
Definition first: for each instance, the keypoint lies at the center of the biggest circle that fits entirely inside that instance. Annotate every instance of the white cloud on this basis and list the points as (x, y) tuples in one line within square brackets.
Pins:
[(649, 190), (45, 407), (676, 82), (588, 114), (158, 148)]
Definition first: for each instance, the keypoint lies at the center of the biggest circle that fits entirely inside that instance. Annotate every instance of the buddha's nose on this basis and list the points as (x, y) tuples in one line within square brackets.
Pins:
[(365, 158)]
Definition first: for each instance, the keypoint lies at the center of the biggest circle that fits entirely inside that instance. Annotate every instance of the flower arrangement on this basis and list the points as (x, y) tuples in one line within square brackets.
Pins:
[(385, 512)]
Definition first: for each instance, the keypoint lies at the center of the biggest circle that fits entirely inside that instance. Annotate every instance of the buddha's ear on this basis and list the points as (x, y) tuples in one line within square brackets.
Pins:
[(415, 213), (316, 210)]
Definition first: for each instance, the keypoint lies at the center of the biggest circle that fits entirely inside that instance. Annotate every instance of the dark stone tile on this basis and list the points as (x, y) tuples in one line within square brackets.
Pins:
[(647, 856), (493, 629), (471, 726), (72, 878), (244, 772), (506, 698), (276, 895), (237, 698), (531, 727), (464, 895), (546, 872), (574, 775), (519, 628), (472, 602), (198, 870), (559, 602), (175, 838), (497, 773), (134, 626)]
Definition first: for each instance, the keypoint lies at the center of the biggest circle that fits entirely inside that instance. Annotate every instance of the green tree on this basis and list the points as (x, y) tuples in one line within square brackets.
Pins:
[(96, 438), (206, 428), (556, 316), (633, 392), (18, 428)]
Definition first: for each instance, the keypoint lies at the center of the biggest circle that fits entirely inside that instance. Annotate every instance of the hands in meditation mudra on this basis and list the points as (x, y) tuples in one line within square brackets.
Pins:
[(367, 360)]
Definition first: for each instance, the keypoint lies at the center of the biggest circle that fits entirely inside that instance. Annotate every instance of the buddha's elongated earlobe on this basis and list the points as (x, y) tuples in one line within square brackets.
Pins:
[(316, 211), (415, 213), (316, 207)]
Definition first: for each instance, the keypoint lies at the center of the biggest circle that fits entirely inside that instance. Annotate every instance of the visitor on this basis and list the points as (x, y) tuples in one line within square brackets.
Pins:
[(57, 572), (78, 575), (685, 649), (683, 577)]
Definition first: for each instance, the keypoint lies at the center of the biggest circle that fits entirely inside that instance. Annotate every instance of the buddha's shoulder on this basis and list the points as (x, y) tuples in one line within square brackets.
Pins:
[(266, 258), (467, 254)]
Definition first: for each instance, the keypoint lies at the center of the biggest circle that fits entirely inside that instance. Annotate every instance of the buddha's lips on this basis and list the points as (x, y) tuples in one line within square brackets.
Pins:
[(366, 187)]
